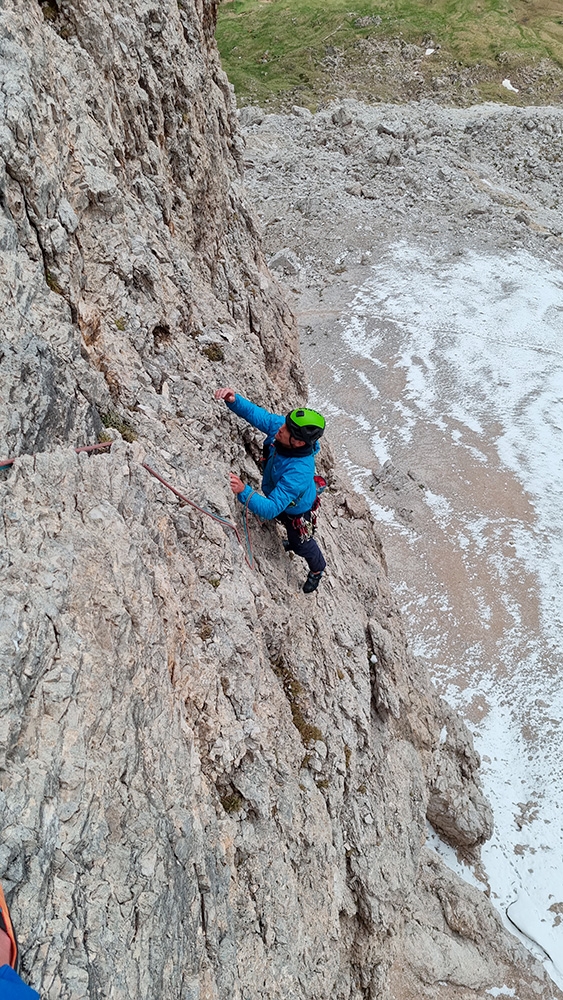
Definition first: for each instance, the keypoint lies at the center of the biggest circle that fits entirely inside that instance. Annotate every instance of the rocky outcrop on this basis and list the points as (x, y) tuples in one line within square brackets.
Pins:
[(335, 188), (212, 785)]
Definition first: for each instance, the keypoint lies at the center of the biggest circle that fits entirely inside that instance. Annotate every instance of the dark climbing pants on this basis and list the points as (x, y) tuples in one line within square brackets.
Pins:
[(306, 548)]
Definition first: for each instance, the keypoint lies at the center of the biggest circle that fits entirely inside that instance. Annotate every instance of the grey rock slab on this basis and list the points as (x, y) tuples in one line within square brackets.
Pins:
[(285, 261), (162, 832)]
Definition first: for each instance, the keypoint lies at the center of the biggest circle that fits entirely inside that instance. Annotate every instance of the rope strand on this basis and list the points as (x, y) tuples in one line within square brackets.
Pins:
[(246, 545), (5, 462)]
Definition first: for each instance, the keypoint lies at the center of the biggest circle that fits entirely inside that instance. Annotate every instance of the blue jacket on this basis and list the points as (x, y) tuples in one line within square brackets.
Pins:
[(287, 481), (13, 988)]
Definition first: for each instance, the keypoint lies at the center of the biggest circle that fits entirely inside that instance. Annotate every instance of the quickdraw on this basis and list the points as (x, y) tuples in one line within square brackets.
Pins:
[(304, 526)]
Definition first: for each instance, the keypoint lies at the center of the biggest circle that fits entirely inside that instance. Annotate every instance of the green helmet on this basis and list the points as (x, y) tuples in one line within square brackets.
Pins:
[(305, 425)]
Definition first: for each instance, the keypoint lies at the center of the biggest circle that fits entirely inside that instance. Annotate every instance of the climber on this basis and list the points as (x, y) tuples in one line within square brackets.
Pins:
[(11, 986), (288, 477)]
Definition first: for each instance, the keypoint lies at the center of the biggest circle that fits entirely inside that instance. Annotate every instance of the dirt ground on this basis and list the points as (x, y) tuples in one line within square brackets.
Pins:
[(421, 248), (339, 191)]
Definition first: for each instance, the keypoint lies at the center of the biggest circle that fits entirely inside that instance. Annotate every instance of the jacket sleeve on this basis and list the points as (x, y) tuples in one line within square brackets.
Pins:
[(14, 988), (263, 420), (269, 507)]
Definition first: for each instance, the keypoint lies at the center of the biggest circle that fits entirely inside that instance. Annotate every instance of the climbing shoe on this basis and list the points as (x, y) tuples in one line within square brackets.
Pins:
[(6, 926), (312, 582), (286, 545)]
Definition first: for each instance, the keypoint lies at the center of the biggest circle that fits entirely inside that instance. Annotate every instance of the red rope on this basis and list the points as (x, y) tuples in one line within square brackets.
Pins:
[(5, 462), (246, 546), (248, 553)]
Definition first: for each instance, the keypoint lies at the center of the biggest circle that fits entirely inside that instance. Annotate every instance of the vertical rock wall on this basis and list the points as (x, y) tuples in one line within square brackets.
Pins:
[(212, 785)]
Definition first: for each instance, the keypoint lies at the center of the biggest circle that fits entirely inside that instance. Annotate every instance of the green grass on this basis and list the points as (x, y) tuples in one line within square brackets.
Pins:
[(272, 49), (113, 419)]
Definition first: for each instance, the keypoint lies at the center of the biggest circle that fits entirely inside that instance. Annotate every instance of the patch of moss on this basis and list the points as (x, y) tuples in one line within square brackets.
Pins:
[(121, 323), (293, 690), (50, 11), (53, 283), (214, 352), (112, 419), (232, 802), (292, 686), (309, 733)]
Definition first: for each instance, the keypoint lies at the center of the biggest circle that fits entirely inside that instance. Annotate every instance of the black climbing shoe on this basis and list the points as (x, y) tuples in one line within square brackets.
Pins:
[(312, 582), (286, 545)]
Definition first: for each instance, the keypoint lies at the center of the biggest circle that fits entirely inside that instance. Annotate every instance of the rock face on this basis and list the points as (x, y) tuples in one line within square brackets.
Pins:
[(212, 785)]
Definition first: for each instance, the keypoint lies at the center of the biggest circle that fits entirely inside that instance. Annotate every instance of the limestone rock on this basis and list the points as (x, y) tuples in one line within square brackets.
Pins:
[(341, 117), (286, 261), (251, 115), (459, 811), (302, 112), (209, 788)]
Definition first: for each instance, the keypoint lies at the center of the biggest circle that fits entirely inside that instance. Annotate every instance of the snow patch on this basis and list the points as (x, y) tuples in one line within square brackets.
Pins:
[(473, 346)]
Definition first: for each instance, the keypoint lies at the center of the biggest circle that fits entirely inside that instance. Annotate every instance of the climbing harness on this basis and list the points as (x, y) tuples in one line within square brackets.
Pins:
[(246, 544), (306, 526)]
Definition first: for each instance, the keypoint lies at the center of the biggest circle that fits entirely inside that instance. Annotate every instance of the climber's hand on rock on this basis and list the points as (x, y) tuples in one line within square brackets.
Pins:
[(227, 394), (236, 484)]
